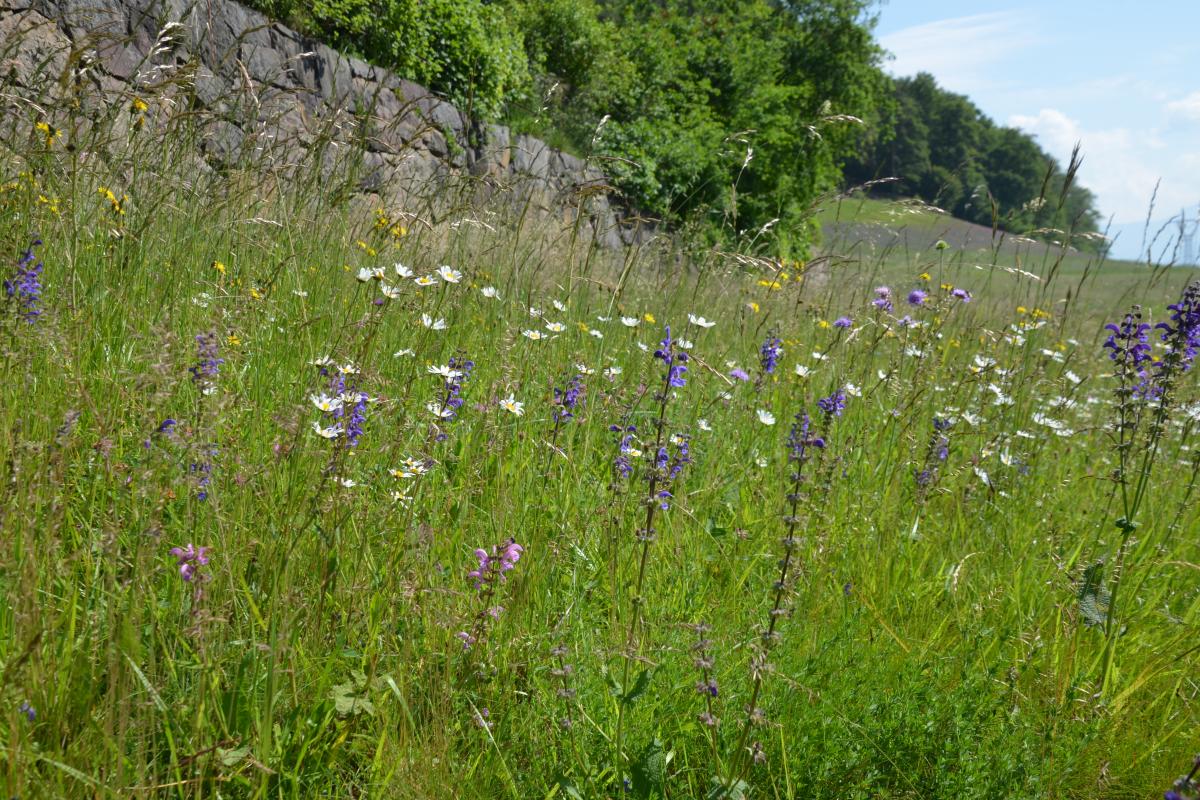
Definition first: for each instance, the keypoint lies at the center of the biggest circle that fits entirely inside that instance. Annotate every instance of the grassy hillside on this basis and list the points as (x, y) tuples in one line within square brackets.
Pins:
[(266, 459)]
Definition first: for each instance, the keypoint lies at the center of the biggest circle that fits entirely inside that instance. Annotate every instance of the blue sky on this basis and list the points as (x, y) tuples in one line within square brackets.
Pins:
[(1121, 78)]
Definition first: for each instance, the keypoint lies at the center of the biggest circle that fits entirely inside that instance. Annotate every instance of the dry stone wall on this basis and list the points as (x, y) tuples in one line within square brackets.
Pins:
[(271, 95)]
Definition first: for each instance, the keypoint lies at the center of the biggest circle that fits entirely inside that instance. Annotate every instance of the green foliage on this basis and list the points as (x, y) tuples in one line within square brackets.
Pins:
[(941, 148)]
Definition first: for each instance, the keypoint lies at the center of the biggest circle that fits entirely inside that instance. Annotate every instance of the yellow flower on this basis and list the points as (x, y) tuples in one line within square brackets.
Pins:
[(1022, 310), (49, 131), (823, 323), (946, 287), (255, 293), (648, 317), (118, 206), (233, 340), (923, 276), (752, 306), (219, 267), (366, 248), (139, 106), (582, 328), (770, 284)]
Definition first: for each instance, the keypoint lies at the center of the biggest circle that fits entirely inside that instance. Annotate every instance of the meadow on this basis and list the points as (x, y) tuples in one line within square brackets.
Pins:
[(306, 495)]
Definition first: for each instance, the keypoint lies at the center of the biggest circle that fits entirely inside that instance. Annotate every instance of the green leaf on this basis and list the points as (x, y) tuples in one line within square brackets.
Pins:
[(640, 685), (720, 791), (347, 701), (232, 757)]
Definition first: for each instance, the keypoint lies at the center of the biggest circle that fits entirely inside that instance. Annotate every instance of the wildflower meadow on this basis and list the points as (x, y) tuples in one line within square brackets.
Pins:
[(306, 494)]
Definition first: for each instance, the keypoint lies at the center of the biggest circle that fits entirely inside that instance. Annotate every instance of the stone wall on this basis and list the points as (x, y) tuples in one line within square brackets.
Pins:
[(270, 95)]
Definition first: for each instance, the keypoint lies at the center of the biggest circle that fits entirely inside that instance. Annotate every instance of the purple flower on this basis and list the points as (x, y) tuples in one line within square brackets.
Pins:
[(1182, 334), (1129, 346), (770, 352), (834, 404), (675, 361), (492, 566), (28, 711), (883, 298), (917, 297), (622, 464), (843, 322), (568, 399), (25, 286), (961, 294), (739, 374), (799, 439), (190, 558), (208, 365)]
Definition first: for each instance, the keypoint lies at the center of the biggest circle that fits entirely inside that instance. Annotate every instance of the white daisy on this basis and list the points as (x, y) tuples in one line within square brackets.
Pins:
[(643, 347), (444, 370), (449, 275), (512, 405), (403, 271), (701, 321), (558, 306), (685, 344), (766, 417), (433, 324), (703, 425), (331, 432), (852, 390), (390, 292), (584, 369), (532, 334), (596, 333), (629, 322), (438, 410), (801, 370), (325, 403), (408, 351), (425, 280), (490, 292), (555, 327), (364, 275), (612, 372)]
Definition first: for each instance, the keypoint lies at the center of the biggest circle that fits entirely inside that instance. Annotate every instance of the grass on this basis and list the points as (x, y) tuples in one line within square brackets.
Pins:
[(940, 639)]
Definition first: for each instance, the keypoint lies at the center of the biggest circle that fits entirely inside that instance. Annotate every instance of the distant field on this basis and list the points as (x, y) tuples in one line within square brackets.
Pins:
[(898, 237)]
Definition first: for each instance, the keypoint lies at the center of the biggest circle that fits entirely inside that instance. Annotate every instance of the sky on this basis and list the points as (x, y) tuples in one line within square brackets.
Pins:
[(1122, 79)]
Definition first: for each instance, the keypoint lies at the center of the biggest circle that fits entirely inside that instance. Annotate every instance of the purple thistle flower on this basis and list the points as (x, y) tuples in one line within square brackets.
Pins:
[(770, 352), (843, 322), (25, 286), (190, 559), (917, 297)]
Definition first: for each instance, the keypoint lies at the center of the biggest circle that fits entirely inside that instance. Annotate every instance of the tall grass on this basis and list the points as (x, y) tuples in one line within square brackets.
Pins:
[(940, 629)]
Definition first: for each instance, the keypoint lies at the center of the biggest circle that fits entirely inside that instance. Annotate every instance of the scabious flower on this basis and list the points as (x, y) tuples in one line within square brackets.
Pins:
[(883, 298), (191, 559), (843, 322), (739, 374), (917, 297), (208, 364), (770, 352), (25, 285), (961, 294), (834, 404)]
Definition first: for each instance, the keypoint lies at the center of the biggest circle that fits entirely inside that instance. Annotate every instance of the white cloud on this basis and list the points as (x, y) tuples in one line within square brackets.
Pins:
[(960, 51), (1187, 107), (1121, 165)]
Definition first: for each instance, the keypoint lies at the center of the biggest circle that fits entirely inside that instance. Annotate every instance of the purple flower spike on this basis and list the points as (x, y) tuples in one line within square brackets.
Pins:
[(190, 558)]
